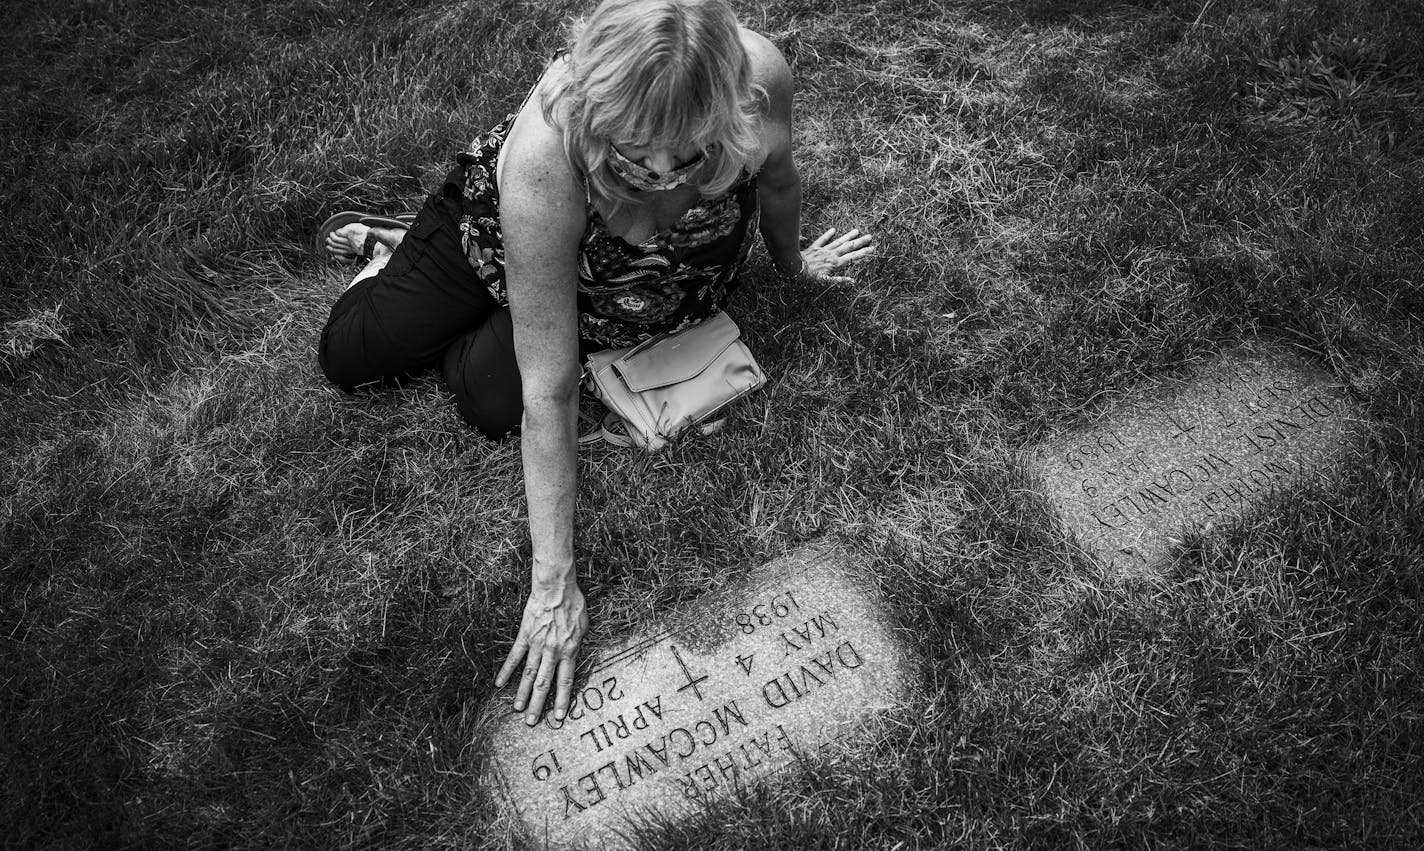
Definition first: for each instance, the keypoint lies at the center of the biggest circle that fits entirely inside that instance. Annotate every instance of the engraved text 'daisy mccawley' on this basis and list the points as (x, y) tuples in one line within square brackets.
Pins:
[(1195, 453)]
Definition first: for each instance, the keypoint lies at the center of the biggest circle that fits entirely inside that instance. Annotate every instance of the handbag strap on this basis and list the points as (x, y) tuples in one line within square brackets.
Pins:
[(613, 431), (609, 430), (595, 432)]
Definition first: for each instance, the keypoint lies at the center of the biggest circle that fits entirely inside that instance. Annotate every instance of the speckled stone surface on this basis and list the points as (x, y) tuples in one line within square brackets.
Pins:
[(1196, 453), (726, 691)]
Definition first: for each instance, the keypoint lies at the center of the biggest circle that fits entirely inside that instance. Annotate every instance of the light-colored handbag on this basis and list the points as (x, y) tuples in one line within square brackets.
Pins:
[(672, 382)]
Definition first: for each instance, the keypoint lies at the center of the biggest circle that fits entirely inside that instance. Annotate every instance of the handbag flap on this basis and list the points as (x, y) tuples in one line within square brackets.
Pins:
[(677, 357)]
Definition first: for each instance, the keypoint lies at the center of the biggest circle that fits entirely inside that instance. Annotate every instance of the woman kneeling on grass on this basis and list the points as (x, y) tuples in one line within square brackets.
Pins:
[(618, 203)]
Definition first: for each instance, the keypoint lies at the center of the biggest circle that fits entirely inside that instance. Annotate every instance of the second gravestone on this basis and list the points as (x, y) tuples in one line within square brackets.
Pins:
[(724, 693), (1192, 454)]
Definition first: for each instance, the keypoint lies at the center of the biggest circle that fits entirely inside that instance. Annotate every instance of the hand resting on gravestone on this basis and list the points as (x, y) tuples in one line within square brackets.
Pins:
[(550, 632)]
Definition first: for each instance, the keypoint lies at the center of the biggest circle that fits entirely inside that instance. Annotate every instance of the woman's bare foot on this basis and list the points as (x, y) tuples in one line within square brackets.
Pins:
[(346, 243)]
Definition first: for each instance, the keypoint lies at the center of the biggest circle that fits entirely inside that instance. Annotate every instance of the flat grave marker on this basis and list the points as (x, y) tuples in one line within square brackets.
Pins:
[(727, 691), (1196, 453)]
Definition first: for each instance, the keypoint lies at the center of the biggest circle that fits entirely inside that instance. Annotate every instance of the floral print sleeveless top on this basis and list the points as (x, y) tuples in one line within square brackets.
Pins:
[(626, 293)]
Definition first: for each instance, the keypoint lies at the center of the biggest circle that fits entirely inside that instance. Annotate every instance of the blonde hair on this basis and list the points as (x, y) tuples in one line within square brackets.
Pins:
[(657, 72)]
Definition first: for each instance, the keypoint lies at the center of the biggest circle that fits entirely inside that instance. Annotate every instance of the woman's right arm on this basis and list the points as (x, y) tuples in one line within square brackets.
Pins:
[(542, 215)]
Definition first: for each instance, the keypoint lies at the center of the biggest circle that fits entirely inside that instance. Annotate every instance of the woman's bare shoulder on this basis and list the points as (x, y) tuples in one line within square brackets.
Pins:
[(530, 125), (770, 71), (554, 74), (535, 146), (769, 67)]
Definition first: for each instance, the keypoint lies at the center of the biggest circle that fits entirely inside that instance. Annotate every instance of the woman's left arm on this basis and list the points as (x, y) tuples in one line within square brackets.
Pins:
[(779, 182)]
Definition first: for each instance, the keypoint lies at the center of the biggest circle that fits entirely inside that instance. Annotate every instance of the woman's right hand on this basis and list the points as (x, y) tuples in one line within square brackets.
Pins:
[(825, 256), (553, 626)]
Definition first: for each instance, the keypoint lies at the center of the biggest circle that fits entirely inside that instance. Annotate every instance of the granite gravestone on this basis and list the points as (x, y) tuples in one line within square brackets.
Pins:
[(728, 691), (1195, 453)]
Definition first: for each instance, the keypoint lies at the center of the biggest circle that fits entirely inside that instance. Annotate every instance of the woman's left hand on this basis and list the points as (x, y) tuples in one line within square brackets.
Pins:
[(824, 256)]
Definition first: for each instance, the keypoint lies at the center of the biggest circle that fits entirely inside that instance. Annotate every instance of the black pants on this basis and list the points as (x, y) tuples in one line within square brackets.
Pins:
[(427, 309)]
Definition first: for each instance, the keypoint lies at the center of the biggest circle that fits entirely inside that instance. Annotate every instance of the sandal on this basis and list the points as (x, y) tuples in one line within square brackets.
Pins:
[(347, 217)]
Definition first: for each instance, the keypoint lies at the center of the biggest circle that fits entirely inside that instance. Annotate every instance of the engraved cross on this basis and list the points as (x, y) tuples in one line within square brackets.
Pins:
[(1183, 430), (691, 680)]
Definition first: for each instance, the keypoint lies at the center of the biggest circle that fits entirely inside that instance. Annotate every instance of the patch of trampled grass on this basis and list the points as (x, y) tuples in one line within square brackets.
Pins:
[(244, 610)]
